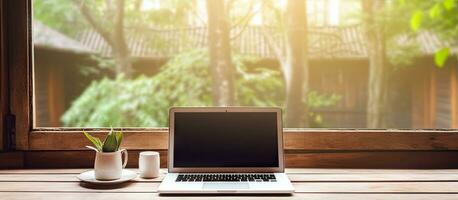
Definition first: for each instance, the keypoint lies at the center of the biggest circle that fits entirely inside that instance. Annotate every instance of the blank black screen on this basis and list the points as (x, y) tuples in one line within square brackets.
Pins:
[(225, 139)]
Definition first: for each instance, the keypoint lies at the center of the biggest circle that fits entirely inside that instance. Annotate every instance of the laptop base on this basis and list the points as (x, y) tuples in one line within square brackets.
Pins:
[(170, 186)]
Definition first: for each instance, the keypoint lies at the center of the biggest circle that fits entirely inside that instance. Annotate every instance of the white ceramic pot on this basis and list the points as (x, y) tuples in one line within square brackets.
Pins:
[(109, 165)]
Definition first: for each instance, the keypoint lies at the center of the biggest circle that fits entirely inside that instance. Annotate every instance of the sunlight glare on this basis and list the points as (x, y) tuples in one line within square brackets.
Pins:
[(334, 12), (151, 5)]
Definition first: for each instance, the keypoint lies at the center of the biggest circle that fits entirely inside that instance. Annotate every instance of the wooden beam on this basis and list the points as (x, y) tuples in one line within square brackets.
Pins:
[(432, 101), (11, 160), (454, 95), (60, 139), (3, 79), (75, 140), (295, 159), (369, 140), (56, 96), (76, 159), (19, 64), (374, 159)]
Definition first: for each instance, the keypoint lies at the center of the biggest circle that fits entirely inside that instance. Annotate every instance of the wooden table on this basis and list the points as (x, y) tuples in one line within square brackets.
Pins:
[(320, 184)]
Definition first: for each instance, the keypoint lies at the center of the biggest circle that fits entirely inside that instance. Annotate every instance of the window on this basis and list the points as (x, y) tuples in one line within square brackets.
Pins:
[(70, 57), (105, 64)]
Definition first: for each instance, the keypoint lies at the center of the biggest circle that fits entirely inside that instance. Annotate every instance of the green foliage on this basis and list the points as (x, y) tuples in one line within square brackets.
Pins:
[(65, 16), (96, 141), (183, 81), (62, 15), (113, 101), (441, 56), (316, 100), (403, 20), (442, 19), (449, 4), (415, 21), (402, 54), (435, 11), (171, 13), (104, 65), (119, 136), (111, 143), (258, 86), (393, 19)]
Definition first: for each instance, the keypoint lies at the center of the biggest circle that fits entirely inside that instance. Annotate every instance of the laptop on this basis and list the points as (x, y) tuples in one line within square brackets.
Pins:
[(225, 150)]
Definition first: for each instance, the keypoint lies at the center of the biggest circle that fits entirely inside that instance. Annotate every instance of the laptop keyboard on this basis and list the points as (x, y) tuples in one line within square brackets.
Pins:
[(194, 177)]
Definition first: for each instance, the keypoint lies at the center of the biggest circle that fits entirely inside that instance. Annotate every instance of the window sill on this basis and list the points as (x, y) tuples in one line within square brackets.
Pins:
[(294, 139)]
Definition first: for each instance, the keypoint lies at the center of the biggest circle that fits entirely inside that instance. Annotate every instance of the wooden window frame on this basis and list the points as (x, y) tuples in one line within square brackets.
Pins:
[(3, 81), (312, 147)]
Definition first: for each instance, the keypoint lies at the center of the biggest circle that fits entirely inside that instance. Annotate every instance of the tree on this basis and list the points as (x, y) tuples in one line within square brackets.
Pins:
[(378, 72), (59, 15), (222, 70), (296, 68), (114, 35), (293, 61), (184, 80), (439, 16)]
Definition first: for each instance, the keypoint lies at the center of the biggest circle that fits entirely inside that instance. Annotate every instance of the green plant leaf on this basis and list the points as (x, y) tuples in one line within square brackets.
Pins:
[(449, 4), (110, 144), (416, 19), (96, 141), (434, 12), (99, 143), (402, 2), (119, 137), (441, 56)]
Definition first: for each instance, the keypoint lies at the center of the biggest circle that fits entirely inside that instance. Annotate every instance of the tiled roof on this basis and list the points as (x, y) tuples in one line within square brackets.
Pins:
[(44, 36), (324, 42)]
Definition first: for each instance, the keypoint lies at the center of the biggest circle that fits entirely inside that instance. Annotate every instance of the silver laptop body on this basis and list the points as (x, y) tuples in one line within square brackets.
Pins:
[(225, 150)]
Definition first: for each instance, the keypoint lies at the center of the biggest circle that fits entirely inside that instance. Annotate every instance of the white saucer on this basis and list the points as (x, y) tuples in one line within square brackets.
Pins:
[(89, 177)]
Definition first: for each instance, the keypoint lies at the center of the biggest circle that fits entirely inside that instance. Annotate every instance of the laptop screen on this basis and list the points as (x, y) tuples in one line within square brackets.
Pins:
[(225, 139)]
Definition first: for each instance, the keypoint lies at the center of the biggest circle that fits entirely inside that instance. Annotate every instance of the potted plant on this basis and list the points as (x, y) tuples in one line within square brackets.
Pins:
[(108, 163)]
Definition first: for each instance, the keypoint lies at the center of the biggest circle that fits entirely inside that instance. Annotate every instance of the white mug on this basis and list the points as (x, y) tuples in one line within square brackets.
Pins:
[(149, 164), (109, 165)]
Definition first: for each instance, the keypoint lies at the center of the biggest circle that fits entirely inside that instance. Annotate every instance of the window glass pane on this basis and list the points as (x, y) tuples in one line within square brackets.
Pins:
[(328, 64)]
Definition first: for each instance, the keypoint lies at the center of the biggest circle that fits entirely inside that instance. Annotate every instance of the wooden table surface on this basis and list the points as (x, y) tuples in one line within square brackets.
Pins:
[(322, 184)]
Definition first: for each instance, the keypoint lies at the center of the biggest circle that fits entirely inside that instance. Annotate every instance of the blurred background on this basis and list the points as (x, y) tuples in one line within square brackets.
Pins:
[(373, 64)]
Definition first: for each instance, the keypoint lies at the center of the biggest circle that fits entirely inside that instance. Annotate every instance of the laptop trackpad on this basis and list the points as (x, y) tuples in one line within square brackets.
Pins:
[(225, 186)]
